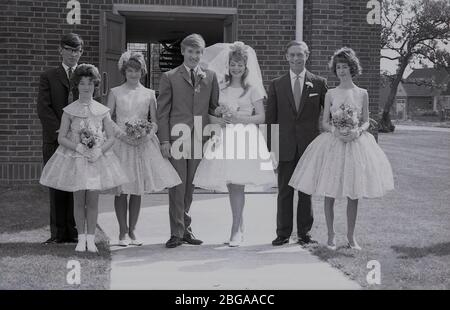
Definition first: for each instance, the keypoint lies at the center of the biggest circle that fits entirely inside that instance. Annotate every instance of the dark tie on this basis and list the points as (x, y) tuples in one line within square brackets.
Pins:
[(70, 98), (297, 92), (192, 77)]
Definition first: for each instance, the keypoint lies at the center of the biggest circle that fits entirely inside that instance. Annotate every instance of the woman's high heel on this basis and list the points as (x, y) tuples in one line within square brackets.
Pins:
[(355, 246), (332, 246)]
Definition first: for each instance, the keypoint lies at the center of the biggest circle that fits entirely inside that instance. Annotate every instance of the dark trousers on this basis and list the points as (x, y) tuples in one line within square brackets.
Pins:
[(285, 210), (180, 196), (62, 222)]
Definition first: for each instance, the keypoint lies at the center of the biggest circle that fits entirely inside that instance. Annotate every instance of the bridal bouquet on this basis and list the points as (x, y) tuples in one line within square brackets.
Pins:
[(345, 118), (223, 110), (137, 129)]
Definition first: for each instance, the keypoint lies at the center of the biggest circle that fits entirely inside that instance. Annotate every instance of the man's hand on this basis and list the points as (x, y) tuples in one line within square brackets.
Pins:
[(165, 149)]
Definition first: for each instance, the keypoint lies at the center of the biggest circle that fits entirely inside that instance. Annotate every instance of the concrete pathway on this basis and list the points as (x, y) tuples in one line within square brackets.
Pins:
[(421, 128), (213, 265)]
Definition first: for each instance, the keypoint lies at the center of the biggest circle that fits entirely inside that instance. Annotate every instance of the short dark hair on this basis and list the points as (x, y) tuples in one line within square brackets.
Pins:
[(297, 43), (85, 70), (72, 40), (348, 56)]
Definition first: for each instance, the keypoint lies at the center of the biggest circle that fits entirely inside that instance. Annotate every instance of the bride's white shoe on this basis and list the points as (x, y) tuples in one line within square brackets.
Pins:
[(124, 242), (236, 241), (136, 242)]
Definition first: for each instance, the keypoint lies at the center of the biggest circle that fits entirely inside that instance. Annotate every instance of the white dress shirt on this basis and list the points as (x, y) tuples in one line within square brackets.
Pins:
[(66, 68)]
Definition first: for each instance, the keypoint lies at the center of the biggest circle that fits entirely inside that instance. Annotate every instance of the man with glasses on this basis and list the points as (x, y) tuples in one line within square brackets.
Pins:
[(55, 94)]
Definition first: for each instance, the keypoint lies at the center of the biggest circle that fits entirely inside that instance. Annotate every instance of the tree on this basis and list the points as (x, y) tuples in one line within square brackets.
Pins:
[(415, 32)]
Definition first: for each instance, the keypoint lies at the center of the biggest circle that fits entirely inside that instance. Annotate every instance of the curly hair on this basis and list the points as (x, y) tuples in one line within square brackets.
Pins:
[(238, 53), (348, 56), (134, 60), (85, 70)]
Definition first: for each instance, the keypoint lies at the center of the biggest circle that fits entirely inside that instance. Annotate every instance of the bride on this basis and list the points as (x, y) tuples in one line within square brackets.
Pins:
[(236, 157)]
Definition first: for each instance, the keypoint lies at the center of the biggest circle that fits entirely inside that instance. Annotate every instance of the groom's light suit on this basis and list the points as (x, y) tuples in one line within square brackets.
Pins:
[(178, 102), (297, 129)]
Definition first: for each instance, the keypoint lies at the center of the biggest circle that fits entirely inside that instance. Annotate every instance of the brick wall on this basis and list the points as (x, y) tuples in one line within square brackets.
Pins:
[(30, 32)]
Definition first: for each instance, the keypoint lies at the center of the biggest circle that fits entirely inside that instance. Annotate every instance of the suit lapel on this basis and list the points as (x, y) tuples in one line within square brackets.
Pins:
[(185, 74), (287, 89), (305, 93), (63, 76)]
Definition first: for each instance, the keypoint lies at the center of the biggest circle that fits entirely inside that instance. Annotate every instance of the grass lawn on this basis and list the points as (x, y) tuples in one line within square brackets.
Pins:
[(27, 264), (408, 230)]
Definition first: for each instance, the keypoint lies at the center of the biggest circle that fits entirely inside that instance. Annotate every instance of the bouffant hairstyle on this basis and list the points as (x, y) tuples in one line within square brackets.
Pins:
[(134, 60), (72, 40), (193, 40), (85, 70), (348, 56), (238, 53)]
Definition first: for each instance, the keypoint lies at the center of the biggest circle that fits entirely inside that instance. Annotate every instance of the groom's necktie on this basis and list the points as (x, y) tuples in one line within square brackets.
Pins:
[(297, 92), (192, 77)]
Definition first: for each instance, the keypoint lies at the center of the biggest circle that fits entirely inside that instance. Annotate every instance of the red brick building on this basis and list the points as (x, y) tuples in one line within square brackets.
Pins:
[(30, 32)]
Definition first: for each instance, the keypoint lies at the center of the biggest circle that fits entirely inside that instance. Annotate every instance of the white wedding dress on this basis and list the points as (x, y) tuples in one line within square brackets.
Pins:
[(243, 160)]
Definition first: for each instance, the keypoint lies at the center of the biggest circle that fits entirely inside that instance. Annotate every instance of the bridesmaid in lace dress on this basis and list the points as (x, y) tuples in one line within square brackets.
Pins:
[(343, 163), (141, 158)]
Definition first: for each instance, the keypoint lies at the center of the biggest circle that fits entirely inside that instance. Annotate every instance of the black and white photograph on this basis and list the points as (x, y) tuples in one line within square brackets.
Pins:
[(232, 147)]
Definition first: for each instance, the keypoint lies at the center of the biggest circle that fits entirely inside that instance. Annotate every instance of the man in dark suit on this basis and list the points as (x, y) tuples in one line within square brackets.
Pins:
[(185, 92), (294, 103), (54, 95)]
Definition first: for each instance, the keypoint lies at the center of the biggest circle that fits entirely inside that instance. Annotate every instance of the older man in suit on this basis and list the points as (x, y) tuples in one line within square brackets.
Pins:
[(185, 92), (54, 94), (294, 103)]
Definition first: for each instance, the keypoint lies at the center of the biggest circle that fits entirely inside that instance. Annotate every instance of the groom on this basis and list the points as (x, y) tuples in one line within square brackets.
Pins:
[(294, 103), (185, 92)]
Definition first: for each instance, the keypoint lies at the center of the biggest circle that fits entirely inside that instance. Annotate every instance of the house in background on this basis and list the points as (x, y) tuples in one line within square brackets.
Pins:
[(425, 92)]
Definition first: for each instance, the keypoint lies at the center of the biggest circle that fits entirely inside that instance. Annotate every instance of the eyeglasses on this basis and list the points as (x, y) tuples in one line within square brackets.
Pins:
[(73, 50)]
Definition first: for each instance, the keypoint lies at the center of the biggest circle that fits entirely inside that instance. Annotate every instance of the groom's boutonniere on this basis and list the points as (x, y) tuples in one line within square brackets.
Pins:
[(309, 84), (201, 74)]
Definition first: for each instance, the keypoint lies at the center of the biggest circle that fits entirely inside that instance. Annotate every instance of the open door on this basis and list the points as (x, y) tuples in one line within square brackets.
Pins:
[(230, 29), (112, 45)]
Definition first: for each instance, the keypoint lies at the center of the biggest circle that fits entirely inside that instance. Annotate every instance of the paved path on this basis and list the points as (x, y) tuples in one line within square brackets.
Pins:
[(421, 128), (255, 265)]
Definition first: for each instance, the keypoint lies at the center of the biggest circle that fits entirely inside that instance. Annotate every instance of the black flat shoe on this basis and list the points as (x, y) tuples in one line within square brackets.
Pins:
[(189, 238), (49, 241), (304, 240), (280, 241), (173, 242)]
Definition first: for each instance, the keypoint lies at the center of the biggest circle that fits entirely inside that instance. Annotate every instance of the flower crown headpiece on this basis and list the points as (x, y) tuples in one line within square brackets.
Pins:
[(240, 47)]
